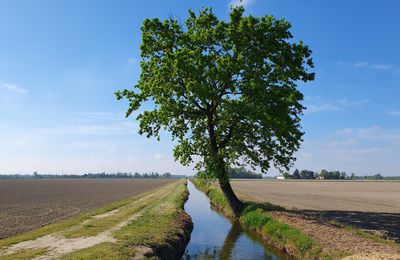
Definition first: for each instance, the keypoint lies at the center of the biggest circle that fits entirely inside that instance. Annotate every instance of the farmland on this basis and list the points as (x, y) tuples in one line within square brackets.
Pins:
[(151, 224), (370, 205), (369, 196), (28, 204)]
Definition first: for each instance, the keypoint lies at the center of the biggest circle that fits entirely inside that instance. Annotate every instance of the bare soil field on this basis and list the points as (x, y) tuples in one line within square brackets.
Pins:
[(28, 204), (370, 205)]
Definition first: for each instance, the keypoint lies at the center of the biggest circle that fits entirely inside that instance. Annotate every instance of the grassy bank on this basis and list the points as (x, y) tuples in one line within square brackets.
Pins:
[(275, 232), (153, 224)]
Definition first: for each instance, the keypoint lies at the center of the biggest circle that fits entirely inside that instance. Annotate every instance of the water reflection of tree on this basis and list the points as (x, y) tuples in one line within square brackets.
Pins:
[(225, 252), (230, 240)]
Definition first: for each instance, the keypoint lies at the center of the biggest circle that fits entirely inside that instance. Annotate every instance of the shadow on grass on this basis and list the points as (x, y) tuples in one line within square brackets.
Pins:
[(264, 205), (386, 225)]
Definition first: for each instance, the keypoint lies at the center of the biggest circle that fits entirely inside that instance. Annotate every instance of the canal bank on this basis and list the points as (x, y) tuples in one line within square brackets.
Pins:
[(275, 233), (218, 237)]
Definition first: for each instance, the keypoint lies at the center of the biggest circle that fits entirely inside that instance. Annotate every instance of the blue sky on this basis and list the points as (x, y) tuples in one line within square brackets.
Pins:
[(61, 62)]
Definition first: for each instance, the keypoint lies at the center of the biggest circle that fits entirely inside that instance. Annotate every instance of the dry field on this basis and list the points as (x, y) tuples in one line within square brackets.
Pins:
[(370, 196), (29, 204), (371, 205)]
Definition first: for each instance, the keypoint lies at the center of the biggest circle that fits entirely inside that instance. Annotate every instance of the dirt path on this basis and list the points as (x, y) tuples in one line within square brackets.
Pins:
[(58, 244)]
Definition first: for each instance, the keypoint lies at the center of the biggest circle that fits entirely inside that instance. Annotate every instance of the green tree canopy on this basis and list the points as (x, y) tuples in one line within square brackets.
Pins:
[(225, 90)]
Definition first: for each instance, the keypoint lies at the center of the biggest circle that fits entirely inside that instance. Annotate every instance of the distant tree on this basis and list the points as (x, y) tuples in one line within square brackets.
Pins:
[(226, 90), (286, 175), (296, 174), (167, 175), (323, 174), (352, 176), (243, 173), (306, 174)]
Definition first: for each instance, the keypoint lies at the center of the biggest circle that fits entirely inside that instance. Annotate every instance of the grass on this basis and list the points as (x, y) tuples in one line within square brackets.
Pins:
[(106, 251), (26, 254), (254, 216), (280, 234), (95, 226), (156, 226), (216, 196)]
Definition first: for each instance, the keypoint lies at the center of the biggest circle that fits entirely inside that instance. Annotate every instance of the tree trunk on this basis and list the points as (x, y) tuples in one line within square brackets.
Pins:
[(234, 202)]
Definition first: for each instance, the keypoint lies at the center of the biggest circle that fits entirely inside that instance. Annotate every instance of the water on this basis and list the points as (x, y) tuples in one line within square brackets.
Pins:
[(216, 237)]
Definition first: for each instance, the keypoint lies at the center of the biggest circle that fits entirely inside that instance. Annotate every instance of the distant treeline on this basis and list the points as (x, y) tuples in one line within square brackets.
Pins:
[(238, 173), (242, 173), (334, 175), (102, 175)]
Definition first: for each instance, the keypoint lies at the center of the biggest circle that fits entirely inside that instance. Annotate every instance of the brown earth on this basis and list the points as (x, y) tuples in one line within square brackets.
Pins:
[(373, 206), (367, 196), (28, 204)]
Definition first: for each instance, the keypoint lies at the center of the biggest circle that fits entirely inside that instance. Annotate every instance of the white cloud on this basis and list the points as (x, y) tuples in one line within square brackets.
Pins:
[(316, 108), (344, 131), (243, 3), (361, 64), (364, 151), (394, 112), (14, 88), (318, 104), (373, 65), (364, 64), (374, 133), (158, 155), (122, 128)]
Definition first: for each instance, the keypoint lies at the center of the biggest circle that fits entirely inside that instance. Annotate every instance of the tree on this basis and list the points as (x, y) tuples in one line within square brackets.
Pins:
[(296, 174), (286, 175), (306, 174), (323, 174), (167, 175), (226, 91)]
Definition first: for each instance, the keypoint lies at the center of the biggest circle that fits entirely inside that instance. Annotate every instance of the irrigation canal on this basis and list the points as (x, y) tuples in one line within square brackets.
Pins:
[(216, 237)]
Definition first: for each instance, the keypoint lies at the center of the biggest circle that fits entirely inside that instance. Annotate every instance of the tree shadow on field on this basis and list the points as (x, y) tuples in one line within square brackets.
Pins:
[(386, 225)]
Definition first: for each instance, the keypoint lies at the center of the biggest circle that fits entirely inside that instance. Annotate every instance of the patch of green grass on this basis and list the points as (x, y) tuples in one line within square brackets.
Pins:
[(334, 254), (106, 251), (216, 196), (281, 234), (25, 254), (254, 218), (97, 225), (155, 226), (152, 229)]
